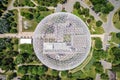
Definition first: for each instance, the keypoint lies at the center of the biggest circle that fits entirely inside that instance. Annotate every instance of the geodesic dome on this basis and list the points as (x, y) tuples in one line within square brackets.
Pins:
[(62, 41)]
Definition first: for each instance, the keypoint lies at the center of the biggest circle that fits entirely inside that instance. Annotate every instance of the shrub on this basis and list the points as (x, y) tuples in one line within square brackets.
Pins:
[(99, 23)]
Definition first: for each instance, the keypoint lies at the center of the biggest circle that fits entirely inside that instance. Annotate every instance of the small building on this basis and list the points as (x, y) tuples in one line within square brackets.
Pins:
[(25, 41)]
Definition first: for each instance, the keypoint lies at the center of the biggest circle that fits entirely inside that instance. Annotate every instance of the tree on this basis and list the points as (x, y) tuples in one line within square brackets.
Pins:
[(115, 51), (19, 59), (30, 77), (22, 69), (103, 6), (13, 31), (97, 7), (98, 67), (27, 15), (7, 64), (98, 23), (64, 73), (34, 70), (85, 11), (11, 76), (99, 54), (104, 76), (77, 74), (55, 73), (40, 8), (110, 7), (116, 68), (63, 1), (12, 53), (77, 5), (118, 35)]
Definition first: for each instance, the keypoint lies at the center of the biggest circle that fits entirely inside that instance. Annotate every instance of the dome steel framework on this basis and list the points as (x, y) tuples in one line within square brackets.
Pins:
[(62, 41)]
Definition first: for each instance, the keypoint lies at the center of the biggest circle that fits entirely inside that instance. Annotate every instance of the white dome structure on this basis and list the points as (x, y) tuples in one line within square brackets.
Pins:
[(62, 41)]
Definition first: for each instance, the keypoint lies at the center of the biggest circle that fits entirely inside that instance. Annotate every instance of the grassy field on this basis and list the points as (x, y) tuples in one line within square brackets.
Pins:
[(76, 13), (118, 75), (88, 2), (90, 68), (32, 23), (103, 17), (31, 27), (115, 39), (116, 19)]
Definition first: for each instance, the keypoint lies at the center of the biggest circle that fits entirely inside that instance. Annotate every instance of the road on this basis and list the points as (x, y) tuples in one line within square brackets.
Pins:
[(108, 26)]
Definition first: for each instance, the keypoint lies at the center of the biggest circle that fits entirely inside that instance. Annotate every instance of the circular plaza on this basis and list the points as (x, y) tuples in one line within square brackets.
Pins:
[(62, 41)]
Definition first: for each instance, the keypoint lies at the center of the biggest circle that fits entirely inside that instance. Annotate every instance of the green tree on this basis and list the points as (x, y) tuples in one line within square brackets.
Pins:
[(116, 68), (118, 35), (55, 73), (11, 76), (40, 8), (98, 23), (98, 67), (64, 73), (19, 59), (99, 54), (104, 76), (77, 5), (22, 69)]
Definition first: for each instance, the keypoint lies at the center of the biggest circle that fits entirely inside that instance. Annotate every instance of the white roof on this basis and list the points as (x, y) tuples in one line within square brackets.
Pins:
[(25, 41), (56, 46), (48, 46)]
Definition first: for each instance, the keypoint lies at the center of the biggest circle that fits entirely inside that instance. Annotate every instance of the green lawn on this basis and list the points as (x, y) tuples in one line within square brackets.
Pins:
[(88, 2), (103, 17), (116, 19), (31, 24), (115, 39), (90, 68), (118, 75), (31, 27), (23, 3), (75, 11)]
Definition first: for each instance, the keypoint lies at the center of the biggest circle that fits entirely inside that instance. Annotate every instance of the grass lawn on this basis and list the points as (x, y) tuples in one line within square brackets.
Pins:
[(90, 72), (24, 3), (75, 12), (31, 27), (98, 30), (90, 68), (15, 47), (116, 19), (88, 2), (103, 17), (94, 29), (26, 48), (31, 24), (115, 39), (118, 75)]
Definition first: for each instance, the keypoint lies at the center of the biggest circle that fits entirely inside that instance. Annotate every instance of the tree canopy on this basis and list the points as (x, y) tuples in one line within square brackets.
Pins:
[(103, 6), (77, 5), (98, 23)]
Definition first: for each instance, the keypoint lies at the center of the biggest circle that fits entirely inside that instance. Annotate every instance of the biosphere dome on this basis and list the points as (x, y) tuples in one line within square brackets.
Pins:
[(62, 41)]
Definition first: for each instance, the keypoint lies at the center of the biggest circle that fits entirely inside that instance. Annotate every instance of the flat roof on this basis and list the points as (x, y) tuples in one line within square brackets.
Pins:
[(25, 41)]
